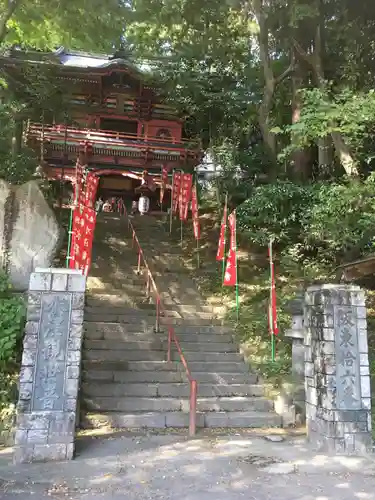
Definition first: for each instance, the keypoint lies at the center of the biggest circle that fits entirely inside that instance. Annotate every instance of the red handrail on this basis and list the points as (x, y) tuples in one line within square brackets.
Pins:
[(109, 137), (172, 337)]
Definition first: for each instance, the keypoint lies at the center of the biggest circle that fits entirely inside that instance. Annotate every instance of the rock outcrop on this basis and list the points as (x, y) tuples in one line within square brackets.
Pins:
[(29, 232)]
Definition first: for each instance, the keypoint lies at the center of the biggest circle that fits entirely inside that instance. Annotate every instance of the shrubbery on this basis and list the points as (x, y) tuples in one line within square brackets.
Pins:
[(332, 223), (12, 318), (275, 211)]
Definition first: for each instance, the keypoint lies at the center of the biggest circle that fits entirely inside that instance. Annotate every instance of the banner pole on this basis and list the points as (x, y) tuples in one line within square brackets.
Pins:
[(225, 240), (180, 210), (69, 237), (197, 200), (198, 256), (273, 348), (75, 204), (161, 188), (171, 214), (270, 312), (237, 290)]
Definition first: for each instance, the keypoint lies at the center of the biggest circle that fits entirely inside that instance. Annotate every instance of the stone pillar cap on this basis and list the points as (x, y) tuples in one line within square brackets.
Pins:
[(57, 270), (294, 334), (333, 286)]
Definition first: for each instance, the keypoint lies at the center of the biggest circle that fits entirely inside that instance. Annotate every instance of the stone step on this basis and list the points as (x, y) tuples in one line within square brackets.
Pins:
[(225, 378), (124, 376), (127, 274), (210, 357), (132, 315), (174, 390), (141, 404), (232, 403), (133, 302), (242, 419), (213, 367), (122, 355), (186, 327), (142, 326), (217, 342), (137, 316), (135, 366), (111, 331), (115, 293), (108, 307), (191, 349), (119, 299), (155, 420), (138, 293), (134, 345)]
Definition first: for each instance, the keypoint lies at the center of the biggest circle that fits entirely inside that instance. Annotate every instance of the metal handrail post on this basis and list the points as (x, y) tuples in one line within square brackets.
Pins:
[(193, 408), (157, 321), (169, 354)]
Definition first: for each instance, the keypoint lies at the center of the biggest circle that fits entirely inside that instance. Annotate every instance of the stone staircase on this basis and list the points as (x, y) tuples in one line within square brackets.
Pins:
[(126, 380)]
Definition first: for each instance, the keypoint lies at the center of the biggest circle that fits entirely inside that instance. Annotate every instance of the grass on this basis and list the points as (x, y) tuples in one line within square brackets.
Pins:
[(253, 277), (254, 282)]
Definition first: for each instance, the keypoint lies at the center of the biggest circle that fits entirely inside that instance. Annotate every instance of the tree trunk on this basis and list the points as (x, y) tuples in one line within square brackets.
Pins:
[(344, 155), (11, 6), (269, 79), (315, 60), (264, 119), (300, 159), (325, 154), (17, 138)]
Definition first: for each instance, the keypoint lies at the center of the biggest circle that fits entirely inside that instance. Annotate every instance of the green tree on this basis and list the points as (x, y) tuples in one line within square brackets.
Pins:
[(45, 24)]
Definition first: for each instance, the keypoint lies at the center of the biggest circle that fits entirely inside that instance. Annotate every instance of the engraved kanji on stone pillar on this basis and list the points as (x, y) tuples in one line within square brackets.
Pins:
[(50, 371), (337, 378)]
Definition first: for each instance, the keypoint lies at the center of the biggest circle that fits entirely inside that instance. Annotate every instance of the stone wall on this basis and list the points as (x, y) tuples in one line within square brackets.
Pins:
[(337, 381), (29, 232), (50, 371)]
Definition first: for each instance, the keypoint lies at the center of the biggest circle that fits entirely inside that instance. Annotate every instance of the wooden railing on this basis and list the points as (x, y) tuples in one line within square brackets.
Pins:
[(110, 138), (160, 312)]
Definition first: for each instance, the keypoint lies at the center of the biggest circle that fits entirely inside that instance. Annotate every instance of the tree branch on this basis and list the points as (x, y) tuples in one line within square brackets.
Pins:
[(9, 11), (289, 71), (302, 53)]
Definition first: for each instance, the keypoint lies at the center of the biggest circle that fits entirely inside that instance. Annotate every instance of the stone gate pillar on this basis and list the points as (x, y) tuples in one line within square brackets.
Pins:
[(337, 379), (50, 371)]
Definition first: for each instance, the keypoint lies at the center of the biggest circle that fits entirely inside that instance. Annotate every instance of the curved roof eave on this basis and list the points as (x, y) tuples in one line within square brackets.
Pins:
[(86, 60)]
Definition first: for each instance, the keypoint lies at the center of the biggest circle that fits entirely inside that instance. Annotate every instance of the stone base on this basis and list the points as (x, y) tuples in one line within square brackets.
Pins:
[(354, 443), (50, 373), (43, 453)]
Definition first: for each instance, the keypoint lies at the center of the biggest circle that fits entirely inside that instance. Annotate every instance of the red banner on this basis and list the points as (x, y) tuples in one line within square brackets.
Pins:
[(176, 191), (83, 232), (195, 214), (272, 311), (185, 195), (91, 186), (221, 247), (230, 277), (164, 182)]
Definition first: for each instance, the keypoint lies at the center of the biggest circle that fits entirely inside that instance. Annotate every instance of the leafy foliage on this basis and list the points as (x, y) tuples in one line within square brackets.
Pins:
[(341, 224), (349, 112), (17, 166), (275, 211), (330, 223), (12, 317), (47, 24)]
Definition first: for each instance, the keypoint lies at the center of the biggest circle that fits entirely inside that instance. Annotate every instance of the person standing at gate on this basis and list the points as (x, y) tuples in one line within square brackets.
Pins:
[(143, 204), (99, 205)]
